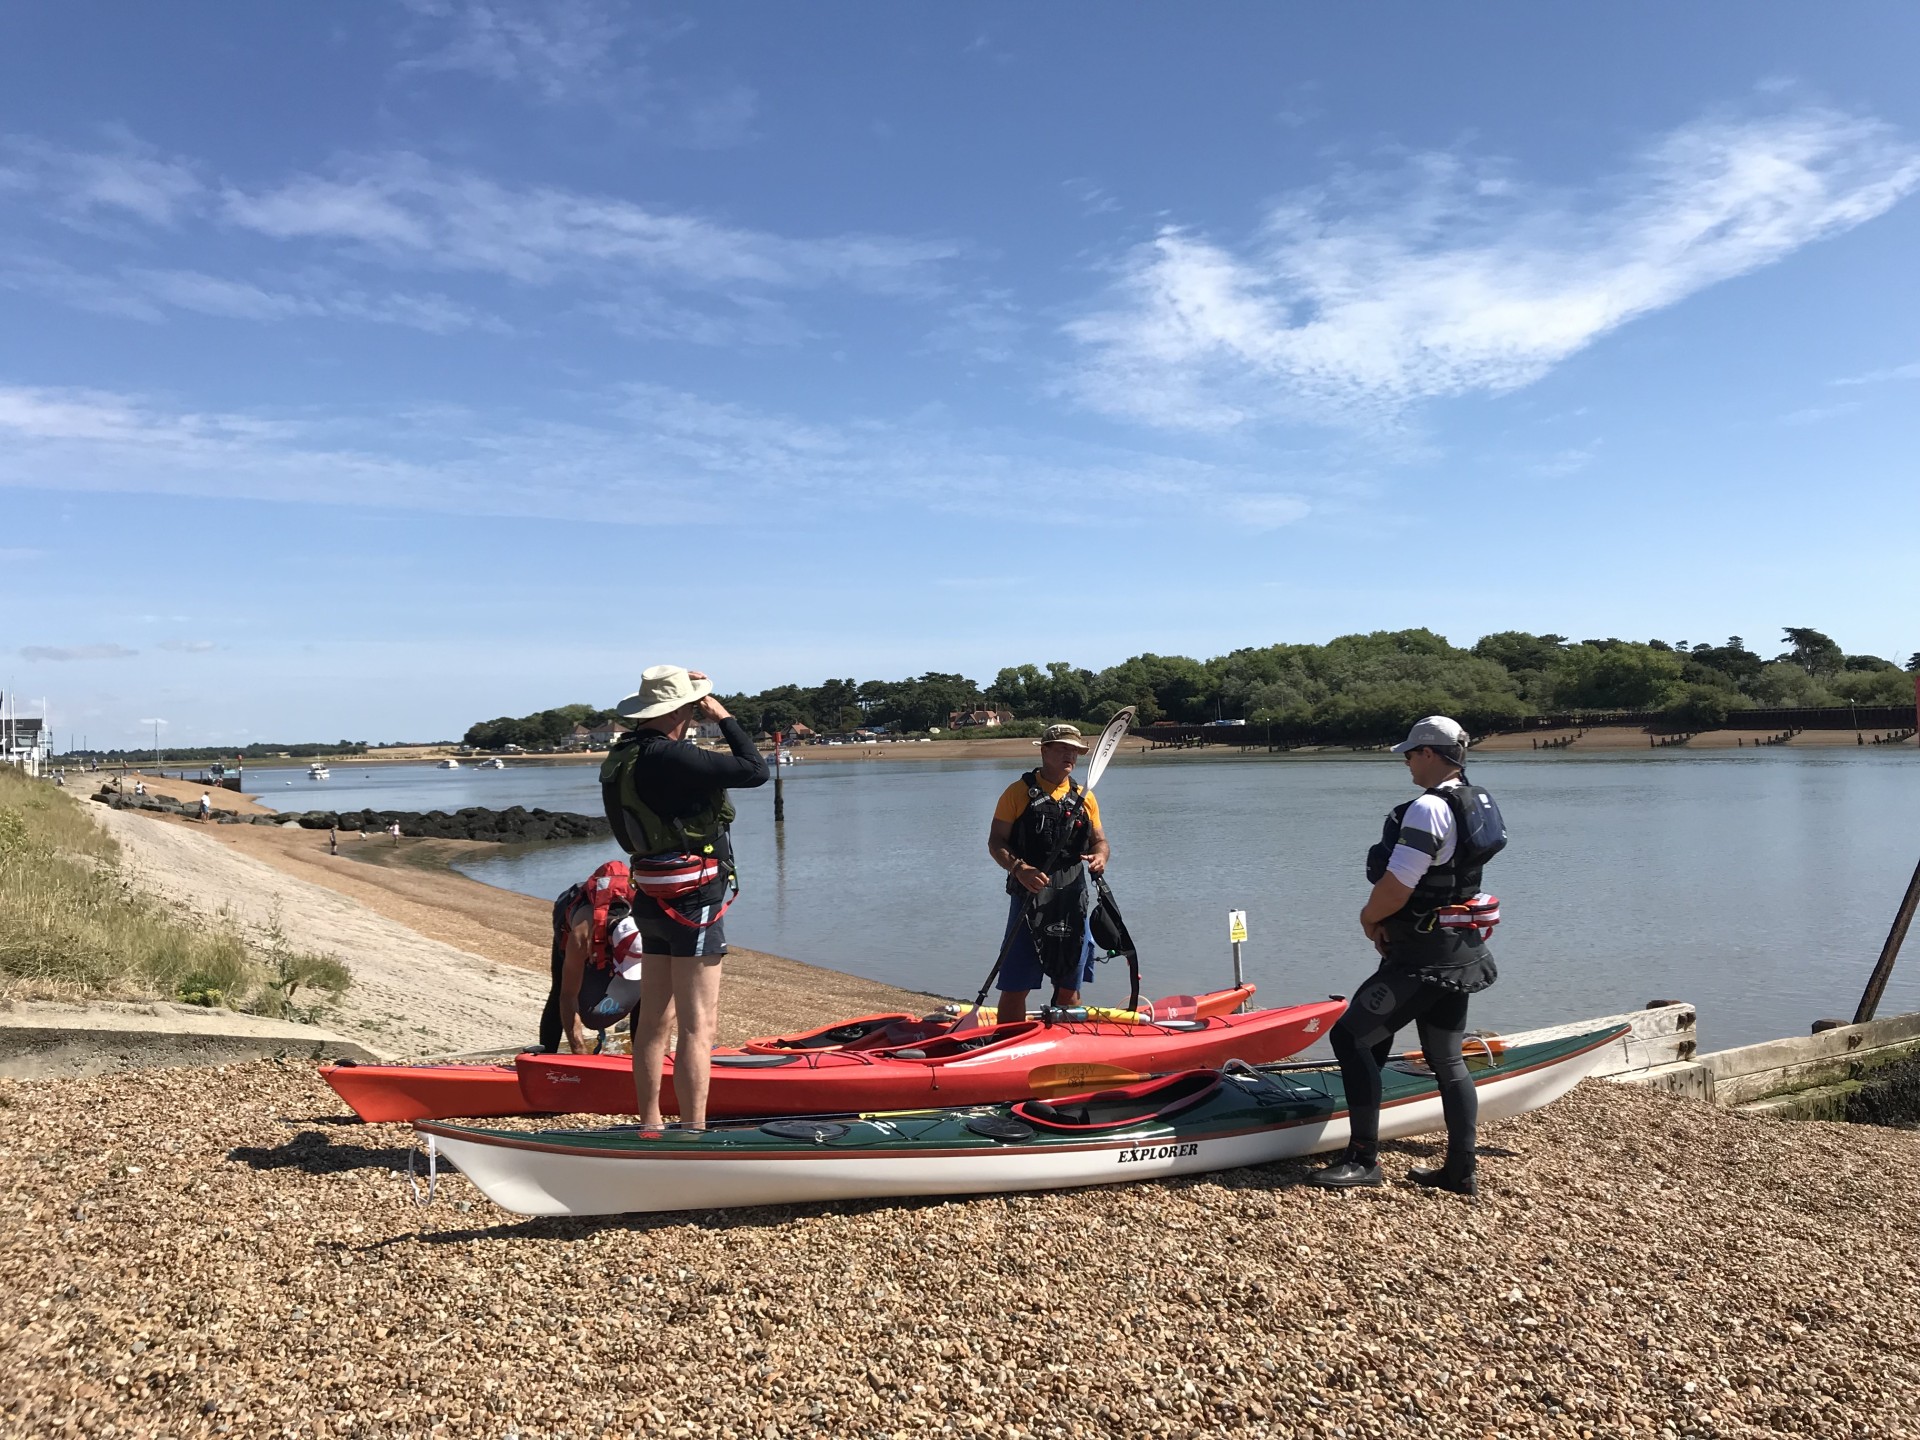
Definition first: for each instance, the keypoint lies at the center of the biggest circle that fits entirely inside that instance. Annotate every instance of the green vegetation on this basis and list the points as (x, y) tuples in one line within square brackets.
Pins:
[(539, 731), (1365, 686), (74, 926)]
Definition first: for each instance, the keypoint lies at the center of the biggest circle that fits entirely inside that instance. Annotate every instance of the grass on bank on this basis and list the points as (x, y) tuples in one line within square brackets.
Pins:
[(74, 925)]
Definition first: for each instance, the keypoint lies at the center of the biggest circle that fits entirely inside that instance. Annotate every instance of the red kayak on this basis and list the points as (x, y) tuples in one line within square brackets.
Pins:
[(378, 1093), (977, 1067)]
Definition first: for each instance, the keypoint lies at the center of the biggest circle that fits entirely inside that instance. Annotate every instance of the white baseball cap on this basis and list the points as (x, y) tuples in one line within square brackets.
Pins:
[(1437, 731)]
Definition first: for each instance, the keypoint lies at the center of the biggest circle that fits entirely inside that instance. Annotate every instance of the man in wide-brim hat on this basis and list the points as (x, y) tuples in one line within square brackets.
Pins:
[(1044, 819), (667, 803)]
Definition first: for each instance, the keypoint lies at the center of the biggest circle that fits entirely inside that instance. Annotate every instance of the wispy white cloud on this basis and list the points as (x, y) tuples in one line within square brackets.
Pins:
[(1091, 198), (649, 453), (19, 554), (76, 652), (1881, 377), (1814, 414), (647, 270), (150, 294), (189, 647), (1447, 277), (579, 52), (129, 179), (405, 209)]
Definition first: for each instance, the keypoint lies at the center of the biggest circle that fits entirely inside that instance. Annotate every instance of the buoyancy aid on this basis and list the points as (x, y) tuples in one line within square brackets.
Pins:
[(672, 856), (610, 889), (1479, 834), (1050, 831), (644, 831)]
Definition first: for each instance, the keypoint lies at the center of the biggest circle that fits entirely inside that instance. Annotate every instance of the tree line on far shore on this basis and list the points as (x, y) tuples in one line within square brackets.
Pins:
[(1355, 686)]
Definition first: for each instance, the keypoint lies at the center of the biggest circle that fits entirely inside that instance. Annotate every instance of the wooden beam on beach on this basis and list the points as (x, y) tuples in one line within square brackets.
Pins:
[(1889, 952)]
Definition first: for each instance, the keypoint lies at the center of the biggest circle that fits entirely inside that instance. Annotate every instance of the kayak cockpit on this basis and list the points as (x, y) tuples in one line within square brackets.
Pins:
[(1134, 1105), (947, 1047)]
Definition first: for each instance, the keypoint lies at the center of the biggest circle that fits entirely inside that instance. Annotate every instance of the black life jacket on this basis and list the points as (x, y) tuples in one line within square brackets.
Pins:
[(641, 829), (1479, 833), (1048, 823)]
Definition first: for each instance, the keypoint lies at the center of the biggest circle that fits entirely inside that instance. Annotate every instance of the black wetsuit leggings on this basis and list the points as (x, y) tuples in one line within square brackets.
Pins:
[(1363, 1041)]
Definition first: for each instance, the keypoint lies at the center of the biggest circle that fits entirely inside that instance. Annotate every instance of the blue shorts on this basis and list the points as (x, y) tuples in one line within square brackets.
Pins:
[(1021, 969)]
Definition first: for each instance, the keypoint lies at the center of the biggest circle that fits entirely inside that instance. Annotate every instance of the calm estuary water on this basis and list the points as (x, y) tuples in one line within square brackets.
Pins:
[(1759, 886)]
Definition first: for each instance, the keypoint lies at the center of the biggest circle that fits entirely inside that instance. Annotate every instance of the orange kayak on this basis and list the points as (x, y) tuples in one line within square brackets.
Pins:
[(975, 1067)]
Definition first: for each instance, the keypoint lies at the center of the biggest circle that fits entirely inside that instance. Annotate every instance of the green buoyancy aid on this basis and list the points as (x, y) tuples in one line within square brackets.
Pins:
[(704, 832)]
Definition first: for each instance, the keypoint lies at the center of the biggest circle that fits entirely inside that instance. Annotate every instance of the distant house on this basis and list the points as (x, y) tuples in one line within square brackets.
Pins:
[(602, 736), (704, 730), (23, 742), (968, 719)]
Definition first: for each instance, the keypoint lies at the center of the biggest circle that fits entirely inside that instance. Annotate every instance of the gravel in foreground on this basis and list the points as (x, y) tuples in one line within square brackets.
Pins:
[(1638, 1265)]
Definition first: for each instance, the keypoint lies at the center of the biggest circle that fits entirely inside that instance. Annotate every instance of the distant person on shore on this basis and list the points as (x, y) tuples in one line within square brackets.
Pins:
[(139, 787), (394, 831), (333, 839), (1045, 818), (1432, 943), (206, 806), (667, 803)]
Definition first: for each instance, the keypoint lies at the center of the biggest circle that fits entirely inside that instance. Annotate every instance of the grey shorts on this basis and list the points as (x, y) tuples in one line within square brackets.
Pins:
[(661, 934)]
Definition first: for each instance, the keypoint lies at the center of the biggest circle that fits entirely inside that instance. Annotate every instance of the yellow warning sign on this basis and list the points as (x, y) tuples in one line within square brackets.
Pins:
[(1236, 926)]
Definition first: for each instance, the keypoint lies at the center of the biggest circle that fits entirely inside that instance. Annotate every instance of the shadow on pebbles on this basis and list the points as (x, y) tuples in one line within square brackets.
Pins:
[(211, 1252)]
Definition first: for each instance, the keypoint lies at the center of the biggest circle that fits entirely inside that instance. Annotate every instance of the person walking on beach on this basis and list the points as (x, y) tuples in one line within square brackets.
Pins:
[(206, 806), (667, 803), (1044, 818), (1425, 871)]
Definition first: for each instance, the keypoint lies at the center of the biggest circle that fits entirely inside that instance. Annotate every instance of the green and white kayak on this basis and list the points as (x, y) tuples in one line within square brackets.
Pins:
[(1185, 1124)]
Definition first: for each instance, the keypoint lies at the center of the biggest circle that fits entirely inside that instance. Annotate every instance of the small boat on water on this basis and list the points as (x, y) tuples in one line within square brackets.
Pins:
[(448, 764), (319, 771), (496, 763), (873, 1061), (1185, 1124)]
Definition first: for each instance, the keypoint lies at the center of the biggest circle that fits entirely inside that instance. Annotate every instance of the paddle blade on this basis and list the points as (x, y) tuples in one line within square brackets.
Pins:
[(1175, 1007), (1108, 742), (1073, 1079)]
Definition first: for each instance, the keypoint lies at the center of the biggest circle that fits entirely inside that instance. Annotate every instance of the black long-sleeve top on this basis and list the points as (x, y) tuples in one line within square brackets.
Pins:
[(677, 780)]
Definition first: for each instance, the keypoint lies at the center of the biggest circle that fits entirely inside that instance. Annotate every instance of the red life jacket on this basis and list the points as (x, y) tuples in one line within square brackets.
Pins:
[(610, 885)]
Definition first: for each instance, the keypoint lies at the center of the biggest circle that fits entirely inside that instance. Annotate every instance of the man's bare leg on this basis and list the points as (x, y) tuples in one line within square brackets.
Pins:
[(652, 1022), (1013, 1006), (696, 995)]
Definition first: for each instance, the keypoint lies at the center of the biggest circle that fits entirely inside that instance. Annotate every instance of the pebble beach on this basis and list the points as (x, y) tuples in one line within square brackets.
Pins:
[(224, 1253)]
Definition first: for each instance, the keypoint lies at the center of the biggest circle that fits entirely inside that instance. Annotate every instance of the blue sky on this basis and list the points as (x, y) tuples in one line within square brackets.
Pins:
[(373, 368)]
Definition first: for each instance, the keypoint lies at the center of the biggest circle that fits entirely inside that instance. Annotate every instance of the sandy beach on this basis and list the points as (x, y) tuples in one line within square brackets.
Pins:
[(442, 964)]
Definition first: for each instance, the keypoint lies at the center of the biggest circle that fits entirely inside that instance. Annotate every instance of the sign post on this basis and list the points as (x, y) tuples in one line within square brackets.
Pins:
[(1237, 935)]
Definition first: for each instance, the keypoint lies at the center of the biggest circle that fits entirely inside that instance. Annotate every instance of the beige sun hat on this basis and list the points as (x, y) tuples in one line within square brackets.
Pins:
[(1063, 735), (662, 688)]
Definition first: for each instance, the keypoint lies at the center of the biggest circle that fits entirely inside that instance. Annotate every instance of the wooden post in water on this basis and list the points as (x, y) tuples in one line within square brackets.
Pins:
[(779, 794), (1870, 1000)]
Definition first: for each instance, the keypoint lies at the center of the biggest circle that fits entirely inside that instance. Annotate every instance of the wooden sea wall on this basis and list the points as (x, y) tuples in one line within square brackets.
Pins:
[(1832, 1075)]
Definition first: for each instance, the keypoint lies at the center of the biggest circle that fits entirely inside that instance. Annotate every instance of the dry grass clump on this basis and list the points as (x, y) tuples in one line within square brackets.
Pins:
[(74, 925)]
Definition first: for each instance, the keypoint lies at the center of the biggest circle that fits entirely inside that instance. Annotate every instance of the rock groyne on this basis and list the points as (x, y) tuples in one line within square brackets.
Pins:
[(512, 826)]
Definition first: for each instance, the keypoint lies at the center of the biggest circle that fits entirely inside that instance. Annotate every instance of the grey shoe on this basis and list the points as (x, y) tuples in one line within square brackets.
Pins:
[(1345, 1174), (1461, 1182)]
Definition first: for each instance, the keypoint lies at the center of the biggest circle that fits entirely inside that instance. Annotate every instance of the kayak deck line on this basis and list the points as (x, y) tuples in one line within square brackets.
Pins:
[(627, 1143)]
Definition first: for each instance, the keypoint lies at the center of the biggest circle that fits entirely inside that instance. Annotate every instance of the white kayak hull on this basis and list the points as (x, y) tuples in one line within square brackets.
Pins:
[(529, 1175)]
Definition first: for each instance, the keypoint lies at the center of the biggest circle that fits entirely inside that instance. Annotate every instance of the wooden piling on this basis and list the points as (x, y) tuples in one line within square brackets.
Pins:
[(1870, 998)]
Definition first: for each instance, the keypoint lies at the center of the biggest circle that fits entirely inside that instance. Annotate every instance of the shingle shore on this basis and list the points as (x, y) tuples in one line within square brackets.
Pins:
[(211, 1253)]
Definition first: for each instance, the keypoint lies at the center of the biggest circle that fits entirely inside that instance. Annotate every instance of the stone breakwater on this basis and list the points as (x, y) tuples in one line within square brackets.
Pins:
[(512, 826)]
